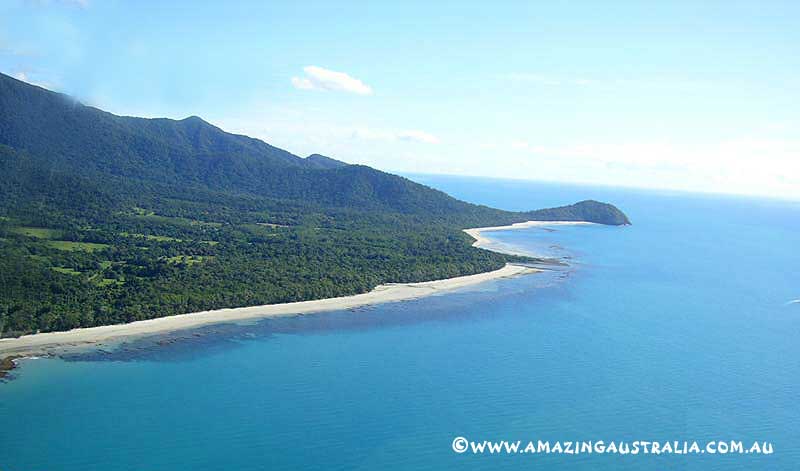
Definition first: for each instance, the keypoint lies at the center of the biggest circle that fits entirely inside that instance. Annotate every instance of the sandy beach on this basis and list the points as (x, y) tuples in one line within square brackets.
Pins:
[(483, 242), (51, 342), (391, 292)]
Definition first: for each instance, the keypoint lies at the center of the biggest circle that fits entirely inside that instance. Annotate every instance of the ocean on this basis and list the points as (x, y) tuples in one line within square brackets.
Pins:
[(679, 328)]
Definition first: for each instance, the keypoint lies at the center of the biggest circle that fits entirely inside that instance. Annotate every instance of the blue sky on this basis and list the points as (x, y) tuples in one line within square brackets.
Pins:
[(699, 96)]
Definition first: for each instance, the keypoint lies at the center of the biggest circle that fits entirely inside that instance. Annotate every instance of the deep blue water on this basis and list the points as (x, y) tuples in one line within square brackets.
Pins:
[(676, 328)]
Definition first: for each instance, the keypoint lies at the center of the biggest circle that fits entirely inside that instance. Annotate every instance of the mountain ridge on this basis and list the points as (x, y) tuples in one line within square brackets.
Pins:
[(192, 151)]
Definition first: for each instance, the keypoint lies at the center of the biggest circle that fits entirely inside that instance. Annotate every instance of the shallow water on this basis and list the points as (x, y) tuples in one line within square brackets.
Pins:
[(676, 328)]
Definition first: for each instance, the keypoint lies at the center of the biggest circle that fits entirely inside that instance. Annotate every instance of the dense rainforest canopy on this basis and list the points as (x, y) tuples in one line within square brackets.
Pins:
[(108, 219)]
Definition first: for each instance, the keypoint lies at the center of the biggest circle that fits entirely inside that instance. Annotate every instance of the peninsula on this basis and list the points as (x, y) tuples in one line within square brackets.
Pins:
[(108, 220)]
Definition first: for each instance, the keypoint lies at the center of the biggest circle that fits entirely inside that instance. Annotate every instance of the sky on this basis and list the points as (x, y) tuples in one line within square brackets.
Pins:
[(697, 96)]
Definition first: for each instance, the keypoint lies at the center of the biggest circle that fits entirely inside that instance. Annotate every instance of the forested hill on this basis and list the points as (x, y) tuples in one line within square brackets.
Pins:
[(322, 161), (107, 219), (67, 137)]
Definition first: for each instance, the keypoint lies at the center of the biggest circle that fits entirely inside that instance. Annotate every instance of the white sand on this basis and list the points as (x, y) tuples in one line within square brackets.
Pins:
[(485, 243), (391, 292)]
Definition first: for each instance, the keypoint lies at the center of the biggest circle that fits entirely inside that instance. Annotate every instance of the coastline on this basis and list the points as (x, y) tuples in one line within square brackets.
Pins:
[(486, 243), (52, 342)]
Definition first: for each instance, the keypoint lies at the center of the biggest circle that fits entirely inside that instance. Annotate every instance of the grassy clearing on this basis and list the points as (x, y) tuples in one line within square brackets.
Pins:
[(269, 224), (50, 236), (37, 232), (195, 222), (74, 246), (101, 280), (162, 238), (189, 259), (261, 229), (65, 270), (108, 282), (142, 212), (157, 238), (151, 216)]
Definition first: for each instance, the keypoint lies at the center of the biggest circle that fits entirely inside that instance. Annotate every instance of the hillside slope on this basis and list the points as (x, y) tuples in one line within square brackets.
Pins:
[(66, 136)]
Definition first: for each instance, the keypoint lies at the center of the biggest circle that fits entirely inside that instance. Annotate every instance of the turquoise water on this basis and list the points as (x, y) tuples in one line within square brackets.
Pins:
[(676, 328)]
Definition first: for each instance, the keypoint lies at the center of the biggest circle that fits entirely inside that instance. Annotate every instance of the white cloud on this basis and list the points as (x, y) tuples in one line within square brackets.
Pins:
[(525, 145), (651, 82), (418, 136), (318, 78), (26, 77), (411, 135), (750, 165), (372, 134), (302, 83)]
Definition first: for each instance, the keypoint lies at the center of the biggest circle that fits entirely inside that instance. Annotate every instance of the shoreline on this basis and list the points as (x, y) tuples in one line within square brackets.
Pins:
[(486, 243), (51, 342), (43, 343)]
